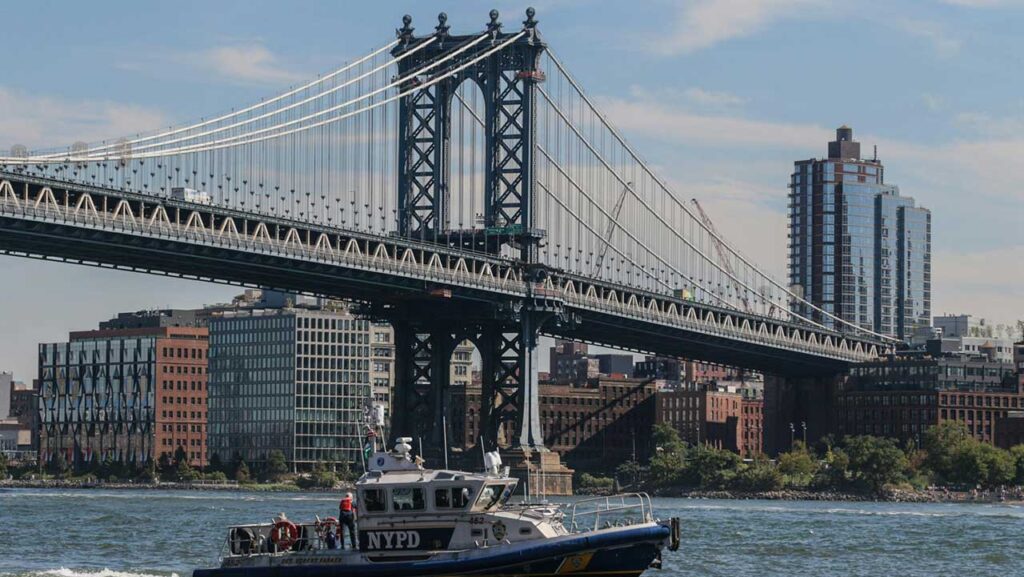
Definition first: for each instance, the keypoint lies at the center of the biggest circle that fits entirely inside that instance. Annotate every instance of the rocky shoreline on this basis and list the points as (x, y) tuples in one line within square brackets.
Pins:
[(887, 496)]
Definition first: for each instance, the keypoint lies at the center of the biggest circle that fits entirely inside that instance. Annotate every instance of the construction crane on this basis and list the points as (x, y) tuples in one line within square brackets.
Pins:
[(723, 254), (610, 230)]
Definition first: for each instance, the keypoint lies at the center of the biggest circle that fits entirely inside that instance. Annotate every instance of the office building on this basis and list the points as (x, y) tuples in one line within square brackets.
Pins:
[(127, 395), (569, 363), (614, 364), (382, 369), (298, 379), (971, 335), (857, 248)]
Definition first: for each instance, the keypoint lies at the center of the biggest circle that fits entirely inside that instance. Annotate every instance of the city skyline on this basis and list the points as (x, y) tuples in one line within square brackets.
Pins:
[(721, 130)]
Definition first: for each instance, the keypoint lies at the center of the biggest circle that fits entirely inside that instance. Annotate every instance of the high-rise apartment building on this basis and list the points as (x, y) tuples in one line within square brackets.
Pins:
[(127, 395), (857, 249)]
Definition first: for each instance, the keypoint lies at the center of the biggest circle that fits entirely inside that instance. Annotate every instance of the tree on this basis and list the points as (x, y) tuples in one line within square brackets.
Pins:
[(1017, 454), (277, 466), (164, 466), (876, 461), (3, 465), (977, 463), (668, 461), (242, 471), (941, 443), (759, 476), (797, 466), (666, 437), (215, 464), (185, 472), (59, 466), (711, 468), (628, 473)]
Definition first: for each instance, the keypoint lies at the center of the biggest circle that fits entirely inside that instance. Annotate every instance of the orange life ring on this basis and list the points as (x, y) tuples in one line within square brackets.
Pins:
[(284, 534)]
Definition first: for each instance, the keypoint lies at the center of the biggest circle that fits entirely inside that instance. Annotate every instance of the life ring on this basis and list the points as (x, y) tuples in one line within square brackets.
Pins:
[(284, 534), (328, 525)]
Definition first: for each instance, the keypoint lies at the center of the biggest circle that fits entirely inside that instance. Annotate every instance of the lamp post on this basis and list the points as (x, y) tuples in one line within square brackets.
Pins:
[(792, 435)]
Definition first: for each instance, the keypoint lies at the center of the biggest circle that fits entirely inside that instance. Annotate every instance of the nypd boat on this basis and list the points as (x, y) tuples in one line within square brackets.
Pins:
[(415, 521)]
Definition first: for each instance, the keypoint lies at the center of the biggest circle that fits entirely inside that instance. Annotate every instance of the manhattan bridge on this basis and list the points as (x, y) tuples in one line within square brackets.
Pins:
[(456, 186)]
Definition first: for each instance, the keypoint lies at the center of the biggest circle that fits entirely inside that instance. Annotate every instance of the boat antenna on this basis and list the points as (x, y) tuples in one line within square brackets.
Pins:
[(444, 434)]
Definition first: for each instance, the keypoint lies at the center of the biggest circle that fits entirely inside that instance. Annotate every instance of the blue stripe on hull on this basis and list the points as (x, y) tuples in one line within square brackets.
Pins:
[(619, 554)]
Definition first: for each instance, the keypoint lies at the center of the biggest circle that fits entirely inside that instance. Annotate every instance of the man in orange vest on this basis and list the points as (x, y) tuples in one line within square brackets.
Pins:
[(347, 519)]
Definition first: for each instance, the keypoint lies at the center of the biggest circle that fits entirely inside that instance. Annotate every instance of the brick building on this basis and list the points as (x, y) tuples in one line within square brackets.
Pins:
[(593, 427), (726, 417), (902, 396), (130, 395)]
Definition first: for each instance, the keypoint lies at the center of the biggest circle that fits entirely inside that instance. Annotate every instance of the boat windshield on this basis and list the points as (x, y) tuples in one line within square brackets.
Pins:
[(492, 495)]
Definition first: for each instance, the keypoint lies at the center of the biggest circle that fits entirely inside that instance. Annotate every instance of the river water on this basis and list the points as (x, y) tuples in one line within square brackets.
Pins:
[(97, 533)]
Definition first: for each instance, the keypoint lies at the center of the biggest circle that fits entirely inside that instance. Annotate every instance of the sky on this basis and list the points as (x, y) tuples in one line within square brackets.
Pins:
[(720, 95)]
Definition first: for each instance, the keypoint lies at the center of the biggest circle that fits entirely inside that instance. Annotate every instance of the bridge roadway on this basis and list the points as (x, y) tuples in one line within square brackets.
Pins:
[(73, 222)]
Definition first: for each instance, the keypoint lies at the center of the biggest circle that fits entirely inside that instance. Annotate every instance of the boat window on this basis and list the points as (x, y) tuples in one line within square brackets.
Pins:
[(442, 499), (490, 496), (461, 496), (407, 499), (452, 497), (373, 500)]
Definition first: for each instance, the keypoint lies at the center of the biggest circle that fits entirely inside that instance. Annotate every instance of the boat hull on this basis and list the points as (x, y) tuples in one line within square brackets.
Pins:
[(618, 552)]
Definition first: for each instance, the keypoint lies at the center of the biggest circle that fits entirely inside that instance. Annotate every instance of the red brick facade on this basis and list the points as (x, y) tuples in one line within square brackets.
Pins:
[(181, 376)]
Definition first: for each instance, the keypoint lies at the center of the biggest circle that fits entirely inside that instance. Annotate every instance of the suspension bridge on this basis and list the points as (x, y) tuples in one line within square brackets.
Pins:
[(457, 186)]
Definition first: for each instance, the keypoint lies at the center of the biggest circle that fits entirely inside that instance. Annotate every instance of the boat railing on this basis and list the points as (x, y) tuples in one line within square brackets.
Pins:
[(610, 511), (238, 543)]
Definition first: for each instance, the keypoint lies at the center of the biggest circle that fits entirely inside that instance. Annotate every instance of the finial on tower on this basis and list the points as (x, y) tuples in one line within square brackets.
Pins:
[(405, 32), (530, 21), (442, 24), (494, 25)]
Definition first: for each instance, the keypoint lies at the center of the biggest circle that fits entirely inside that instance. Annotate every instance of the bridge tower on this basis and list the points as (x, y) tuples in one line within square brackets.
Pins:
[(426, 333)]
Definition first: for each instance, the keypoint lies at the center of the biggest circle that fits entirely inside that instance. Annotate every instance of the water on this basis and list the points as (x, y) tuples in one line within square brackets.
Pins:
[(93, 533)]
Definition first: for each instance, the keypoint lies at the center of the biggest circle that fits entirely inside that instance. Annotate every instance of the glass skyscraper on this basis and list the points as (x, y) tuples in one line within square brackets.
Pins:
[(857, 249)]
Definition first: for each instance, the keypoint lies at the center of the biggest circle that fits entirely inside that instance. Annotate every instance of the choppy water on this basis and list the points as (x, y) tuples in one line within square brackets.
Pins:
[(91, 533)]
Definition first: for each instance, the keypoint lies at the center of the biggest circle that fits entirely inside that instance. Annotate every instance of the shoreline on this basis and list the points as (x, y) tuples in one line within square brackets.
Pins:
[(890, 496), (251, 487)]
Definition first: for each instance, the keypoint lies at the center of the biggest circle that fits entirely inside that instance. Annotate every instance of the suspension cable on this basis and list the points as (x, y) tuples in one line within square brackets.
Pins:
[(248, 109), (713, 234)]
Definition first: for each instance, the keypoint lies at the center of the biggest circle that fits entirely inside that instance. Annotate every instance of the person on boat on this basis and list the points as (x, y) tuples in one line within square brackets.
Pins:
[(347, 520), (330, 540)]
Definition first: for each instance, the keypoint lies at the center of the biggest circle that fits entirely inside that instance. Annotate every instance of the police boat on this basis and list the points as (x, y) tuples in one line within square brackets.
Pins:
[(414, 521)]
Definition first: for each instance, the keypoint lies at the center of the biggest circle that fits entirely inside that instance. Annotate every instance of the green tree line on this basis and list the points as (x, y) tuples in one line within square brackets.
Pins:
[(948, 456)]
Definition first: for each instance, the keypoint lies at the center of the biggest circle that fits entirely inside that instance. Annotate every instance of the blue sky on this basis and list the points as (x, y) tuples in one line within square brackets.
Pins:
[(721, 94)]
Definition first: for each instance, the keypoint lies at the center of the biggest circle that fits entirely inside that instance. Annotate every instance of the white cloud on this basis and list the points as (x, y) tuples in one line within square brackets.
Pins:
[(647, 116), (37, 120), (942, 41), (248, 63), (713, 98), (933, 102), (704, 23)]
